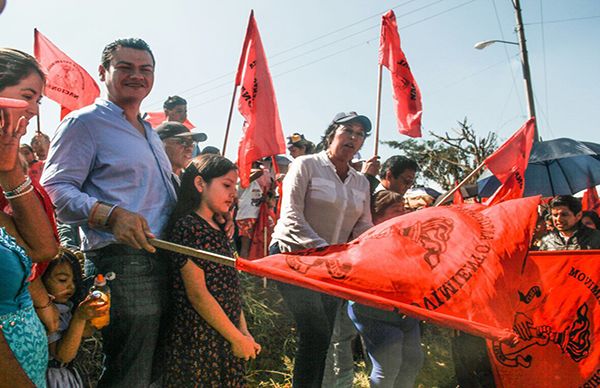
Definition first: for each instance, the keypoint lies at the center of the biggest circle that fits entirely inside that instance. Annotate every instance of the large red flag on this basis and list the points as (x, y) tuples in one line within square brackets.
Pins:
[(157, 118), (557, 315), (406, 93), (263, 135), (590, 200), (443, 264), (66, 82), (509, 162)]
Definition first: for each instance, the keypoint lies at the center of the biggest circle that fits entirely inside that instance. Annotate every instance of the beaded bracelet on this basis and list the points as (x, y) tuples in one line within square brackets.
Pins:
[(11, 197), (50, 301), (19, 189)]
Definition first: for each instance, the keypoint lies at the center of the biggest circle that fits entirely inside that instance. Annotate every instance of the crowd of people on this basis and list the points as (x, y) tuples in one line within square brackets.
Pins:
[(114, 183)]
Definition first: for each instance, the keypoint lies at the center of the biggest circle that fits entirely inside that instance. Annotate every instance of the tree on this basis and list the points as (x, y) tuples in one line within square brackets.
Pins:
[(449, 158)]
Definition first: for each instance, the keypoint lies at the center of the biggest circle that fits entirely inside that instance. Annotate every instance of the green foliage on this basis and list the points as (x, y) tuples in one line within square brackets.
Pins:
[(448, 158)]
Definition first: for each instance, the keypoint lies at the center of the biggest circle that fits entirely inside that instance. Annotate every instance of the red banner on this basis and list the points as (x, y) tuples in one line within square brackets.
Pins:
[(509, 162), (590, 200), (157, 118), (442, 264), (555, 311), (67, 83), (263, 135), (406, 93)]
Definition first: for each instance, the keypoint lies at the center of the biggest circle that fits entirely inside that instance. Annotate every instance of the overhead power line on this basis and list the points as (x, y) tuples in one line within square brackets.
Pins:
[(230, 74)]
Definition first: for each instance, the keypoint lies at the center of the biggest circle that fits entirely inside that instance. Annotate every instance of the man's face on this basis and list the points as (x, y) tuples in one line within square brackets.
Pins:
[(129, 77), (564, 219), (179, 150), (403, 182), (178, 113), (40, 145)]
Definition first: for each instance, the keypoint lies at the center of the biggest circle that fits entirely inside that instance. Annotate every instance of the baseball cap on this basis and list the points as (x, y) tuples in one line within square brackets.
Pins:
[(170, 129), (346, 117)]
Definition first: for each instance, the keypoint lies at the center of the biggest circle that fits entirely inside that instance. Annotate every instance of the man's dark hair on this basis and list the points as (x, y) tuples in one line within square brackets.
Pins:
[(173, 101), (572, 203), (397, 164), (134, 43)]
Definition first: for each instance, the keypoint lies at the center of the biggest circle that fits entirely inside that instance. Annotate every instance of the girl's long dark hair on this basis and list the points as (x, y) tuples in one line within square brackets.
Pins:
[(208, 167)]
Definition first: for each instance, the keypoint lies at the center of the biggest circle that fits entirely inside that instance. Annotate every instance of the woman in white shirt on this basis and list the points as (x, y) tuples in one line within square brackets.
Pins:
[(325, 201)]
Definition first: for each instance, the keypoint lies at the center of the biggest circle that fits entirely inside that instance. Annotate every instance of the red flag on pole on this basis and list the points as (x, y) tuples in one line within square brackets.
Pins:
[(406, 93), (590, 200), (263, 135), (509, 162), (443, 264), (157, 118), (67, 83), (556, 313)]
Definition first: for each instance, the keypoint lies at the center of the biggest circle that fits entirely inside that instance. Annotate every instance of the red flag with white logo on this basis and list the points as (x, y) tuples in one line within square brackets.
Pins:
[(406, 93), (262, 132), (67, 83)]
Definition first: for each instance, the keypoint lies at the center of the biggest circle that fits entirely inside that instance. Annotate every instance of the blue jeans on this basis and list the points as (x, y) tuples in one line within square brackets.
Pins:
[(139, 295), (394, 349), (339, 366), (314, 314)]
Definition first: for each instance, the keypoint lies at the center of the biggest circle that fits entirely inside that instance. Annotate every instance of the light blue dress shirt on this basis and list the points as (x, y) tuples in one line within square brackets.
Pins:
[(97, 155)]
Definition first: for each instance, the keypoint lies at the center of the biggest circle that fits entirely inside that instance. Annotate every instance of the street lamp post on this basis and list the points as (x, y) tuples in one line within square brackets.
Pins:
[(524, 62)]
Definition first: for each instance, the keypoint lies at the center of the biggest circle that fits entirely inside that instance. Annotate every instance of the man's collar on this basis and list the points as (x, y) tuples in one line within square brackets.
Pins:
[(110, 105)]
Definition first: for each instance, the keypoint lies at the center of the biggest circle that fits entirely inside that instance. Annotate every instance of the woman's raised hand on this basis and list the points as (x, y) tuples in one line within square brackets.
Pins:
[(12, 128)]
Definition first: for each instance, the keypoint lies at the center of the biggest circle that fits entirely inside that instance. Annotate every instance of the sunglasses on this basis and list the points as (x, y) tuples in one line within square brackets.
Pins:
[(184, 142)]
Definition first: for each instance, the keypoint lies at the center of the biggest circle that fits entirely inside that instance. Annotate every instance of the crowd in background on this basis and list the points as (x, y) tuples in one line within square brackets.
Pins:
[(114, 183)]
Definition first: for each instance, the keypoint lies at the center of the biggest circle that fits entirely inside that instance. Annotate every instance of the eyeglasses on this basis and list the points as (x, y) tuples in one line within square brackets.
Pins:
[(183, 142), (351, 133)]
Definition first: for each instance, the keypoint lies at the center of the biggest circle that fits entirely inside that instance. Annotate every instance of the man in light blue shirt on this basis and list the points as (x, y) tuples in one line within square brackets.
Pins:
[(108, 173)]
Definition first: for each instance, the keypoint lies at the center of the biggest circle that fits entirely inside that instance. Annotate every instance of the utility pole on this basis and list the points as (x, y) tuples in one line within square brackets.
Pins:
[(525, 66)]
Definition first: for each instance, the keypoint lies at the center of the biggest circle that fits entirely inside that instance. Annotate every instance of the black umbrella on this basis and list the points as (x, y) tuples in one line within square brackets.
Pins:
[(556, 167)]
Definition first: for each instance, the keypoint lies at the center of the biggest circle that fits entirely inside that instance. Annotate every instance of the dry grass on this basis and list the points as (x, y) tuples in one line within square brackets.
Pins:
[(272, 326)]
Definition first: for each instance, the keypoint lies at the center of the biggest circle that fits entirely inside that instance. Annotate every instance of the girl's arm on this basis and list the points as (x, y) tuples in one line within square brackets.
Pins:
[(244, 329), (12, 374), (210, 310), (65, 349)]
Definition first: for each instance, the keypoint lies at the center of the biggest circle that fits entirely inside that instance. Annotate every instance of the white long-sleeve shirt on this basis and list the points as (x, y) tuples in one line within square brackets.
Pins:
[(317, 208)]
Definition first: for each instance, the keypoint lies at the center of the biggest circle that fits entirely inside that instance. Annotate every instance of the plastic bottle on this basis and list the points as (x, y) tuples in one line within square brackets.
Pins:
[(101, 291)]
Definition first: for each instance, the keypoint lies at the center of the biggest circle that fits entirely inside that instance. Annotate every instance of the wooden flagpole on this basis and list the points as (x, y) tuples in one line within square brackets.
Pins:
[(169, 246), (378, 111), (453, 190), (235, 87)]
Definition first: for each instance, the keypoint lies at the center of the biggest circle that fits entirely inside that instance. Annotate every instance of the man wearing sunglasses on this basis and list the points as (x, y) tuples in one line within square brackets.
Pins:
[(179, 143)]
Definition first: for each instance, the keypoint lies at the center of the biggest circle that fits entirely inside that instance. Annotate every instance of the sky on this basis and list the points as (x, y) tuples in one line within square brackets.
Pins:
[(323, 59)]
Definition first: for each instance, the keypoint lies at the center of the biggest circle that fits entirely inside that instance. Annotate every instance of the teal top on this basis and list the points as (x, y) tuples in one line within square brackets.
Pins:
[(15, 268)]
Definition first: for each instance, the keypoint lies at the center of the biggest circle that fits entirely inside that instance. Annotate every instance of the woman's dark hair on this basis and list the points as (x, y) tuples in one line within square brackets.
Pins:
[(66, 256), (592, 216), (208, 166), (16, 65)]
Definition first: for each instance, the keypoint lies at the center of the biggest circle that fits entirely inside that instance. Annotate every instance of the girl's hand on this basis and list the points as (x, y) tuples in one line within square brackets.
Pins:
[(245, 347), (11, 130), (91, 308)]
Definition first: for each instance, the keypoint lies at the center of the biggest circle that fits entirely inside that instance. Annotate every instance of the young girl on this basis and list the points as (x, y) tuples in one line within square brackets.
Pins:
[(75, 350), (207, 339)]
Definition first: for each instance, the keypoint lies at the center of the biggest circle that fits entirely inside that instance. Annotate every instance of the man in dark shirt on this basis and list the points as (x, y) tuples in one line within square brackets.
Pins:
[(569, 233)]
